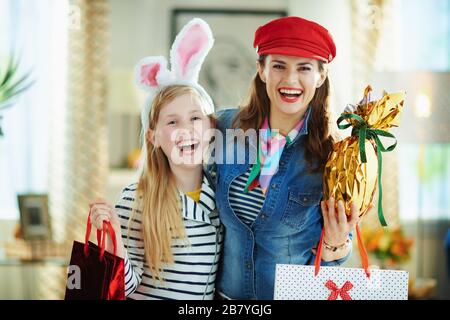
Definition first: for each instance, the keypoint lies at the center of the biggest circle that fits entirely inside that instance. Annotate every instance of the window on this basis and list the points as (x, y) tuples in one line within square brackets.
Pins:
[(36, 32), (424, 181), (414, 55), (414, 35)]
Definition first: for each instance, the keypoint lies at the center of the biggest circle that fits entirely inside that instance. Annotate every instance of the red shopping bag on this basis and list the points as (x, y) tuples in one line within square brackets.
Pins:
[(99, 275)]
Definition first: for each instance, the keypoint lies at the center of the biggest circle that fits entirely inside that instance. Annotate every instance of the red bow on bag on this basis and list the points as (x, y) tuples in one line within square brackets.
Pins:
[(336, 291), (98, 275)]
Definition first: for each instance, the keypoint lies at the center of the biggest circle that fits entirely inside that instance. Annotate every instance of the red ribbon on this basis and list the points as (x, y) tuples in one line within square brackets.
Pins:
[(336, 291)]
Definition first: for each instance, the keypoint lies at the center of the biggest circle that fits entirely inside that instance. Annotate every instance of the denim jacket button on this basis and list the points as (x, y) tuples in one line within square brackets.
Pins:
[(249, 265), (263, 216), (274, 185)]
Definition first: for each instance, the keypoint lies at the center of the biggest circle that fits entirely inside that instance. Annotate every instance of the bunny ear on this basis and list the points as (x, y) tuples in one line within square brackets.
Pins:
[(190, 48), (150, 72)]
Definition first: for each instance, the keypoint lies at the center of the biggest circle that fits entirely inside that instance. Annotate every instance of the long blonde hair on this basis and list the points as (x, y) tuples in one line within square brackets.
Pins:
[(160, 203)]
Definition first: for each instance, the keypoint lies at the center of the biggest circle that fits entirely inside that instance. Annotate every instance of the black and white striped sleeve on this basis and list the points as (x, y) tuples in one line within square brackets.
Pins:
[(130, 222)]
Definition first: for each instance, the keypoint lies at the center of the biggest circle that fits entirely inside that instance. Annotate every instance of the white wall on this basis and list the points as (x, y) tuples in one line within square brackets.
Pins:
[(335, 15), (142, 27)]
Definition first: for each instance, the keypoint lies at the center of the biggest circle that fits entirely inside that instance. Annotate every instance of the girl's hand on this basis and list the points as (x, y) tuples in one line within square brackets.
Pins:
[(336, 224), (100, 211)]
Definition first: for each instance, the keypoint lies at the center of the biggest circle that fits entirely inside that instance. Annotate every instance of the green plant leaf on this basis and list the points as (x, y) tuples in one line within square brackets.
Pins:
[(10, 71), (14, 89), (9, 87)]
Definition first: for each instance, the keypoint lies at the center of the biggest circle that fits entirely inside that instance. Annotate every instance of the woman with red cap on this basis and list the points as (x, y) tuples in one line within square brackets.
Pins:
[(270, 204)]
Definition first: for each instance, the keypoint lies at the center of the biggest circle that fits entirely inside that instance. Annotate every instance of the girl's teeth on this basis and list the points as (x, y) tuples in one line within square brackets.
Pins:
[(187, 144), (188, 147)]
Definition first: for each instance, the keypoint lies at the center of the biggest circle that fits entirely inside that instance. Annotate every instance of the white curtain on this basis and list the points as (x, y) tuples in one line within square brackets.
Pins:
[(36, 32)]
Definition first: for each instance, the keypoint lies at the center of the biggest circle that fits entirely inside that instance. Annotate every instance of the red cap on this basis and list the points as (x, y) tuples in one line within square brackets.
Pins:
[(294, 36)]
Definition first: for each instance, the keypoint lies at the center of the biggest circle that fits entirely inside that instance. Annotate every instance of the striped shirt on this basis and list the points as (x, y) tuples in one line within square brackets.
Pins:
[(246, 205), (193, 274)]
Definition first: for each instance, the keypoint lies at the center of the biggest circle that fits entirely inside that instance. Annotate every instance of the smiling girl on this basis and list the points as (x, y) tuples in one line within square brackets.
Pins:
[(171, 235)]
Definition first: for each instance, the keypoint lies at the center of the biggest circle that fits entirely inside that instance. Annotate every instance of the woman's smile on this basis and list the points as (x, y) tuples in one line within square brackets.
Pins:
[(290, 95)]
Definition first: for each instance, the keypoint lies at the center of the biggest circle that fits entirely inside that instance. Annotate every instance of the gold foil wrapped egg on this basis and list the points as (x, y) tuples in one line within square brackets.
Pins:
[(353, 167)]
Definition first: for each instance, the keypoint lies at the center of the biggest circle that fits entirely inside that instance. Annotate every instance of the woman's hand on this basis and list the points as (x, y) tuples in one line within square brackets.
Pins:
[(337, 228), (336, 224)]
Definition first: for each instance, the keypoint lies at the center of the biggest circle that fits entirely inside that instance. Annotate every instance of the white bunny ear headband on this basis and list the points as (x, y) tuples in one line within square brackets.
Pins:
[(187, 54)]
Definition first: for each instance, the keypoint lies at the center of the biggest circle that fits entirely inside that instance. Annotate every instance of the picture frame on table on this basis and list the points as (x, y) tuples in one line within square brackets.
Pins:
[(34, 217)]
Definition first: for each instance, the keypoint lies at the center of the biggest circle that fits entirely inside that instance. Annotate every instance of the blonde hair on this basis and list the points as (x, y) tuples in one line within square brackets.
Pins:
[(160, 203)]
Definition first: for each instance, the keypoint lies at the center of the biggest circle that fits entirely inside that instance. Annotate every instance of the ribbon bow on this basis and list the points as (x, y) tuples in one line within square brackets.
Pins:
[(336, 291), (363, 131)]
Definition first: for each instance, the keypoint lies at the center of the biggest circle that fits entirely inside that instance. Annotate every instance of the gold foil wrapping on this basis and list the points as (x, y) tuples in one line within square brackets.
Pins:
[(346, 177)]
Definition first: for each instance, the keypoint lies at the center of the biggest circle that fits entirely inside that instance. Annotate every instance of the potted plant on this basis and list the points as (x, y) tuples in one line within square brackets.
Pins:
[(11, 85)]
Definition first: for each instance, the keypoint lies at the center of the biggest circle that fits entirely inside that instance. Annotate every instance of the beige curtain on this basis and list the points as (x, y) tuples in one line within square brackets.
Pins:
[(79, 165), (367, 18)]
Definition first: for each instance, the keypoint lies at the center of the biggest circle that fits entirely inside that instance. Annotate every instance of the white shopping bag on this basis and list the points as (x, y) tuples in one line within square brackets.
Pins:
[(298, 282)]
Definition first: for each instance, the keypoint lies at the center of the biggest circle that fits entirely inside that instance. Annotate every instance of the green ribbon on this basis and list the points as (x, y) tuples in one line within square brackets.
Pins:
[(363, 131), (255, 169)]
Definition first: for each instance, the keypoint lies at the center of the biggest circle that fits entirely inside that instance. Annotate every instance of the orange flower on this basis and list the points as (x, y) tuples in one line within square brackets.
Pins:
[(398, 249), (389, 245)]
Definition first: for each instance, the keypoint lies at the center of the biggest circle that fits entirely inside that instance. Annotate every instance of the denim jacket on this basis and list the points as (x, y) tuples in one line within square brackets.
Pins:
[(287, 228)]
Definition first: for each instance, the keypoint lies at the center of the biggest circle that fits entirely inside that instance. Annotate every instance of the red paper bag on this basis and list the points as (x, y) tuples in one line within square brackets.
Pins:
[(100, 273)]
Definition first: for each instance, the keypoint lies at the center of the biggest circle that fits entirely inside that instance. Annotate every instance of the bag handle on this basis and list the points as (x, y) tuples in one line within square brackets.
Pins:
[(101, 237), (361, 248), (362, 252)]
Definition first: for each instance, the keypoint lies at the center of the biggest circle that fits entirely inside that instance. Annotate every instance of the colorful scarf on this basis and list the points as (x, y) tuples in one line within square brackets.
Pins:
[(270, 148)]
